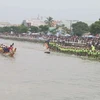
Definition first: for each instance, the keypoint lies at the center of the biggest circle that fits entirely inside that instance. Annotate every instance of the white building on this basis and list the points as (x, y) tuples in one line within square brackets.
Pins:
[(33, 22), (4, 24)]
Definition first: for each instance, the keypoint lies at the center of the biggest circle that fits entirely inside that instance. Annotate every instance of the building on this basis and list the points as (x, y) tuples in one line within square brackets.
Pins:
[(56, 22), (33, 22), (4, 24)]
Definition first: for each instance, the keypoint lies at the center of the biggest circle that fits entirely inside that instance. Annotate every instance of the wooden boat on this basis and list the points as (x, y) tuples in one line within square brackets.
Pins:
[(47, 51), (11, 53), (46, 48)]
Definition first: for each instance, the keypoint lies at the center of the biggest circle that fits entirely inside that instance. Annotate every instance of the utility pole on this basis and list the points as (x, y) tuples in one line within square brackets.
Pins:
[(71, 22)]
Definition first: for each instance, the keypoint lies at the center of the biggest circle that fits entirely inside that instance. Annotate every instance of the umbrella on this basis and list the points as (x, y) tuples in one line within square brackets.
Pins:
[(67, 35), (90, 36)]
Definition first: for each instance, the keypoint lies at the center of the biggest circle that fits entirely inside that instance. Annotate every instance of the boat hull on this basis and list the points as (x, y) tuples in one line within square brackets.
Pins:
[(11, 54), (47, 51)]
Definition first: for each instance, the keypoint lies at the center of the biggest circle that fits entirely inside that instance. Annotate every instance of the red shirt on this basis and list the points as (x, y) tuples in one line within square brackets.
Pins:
[(10, 48)]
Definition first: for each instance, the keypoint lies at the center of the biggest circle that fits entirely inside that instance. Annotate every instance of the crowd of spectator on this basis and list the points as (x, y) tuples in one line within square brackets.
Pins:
[(65, 40)]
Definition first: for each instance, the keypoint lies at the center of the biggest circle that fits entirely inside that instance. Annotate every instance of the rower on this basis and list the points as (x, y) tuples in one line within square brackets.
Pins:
[(11, 47), (93, 48), (5, 49), (47, 44)]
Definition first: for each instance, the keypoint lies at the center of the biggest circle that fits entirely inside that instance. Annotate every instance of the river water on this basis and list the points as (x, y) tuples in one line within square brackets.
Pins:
[(33, 75)]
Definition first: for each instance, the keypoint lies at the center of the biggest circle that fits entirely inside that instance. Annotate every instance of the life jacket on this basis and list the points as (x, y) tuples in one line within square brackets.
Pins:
[(93, 48)]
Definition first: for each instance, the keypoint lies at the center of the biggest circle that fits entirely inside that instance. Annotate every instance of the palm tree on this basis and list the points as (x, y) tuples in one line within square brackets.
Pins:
[(49, 21), (63, 28)]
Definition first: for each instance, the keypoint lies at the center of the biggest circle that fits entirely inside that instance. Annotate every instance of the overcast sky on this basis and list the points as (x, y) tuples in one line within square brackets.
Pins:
[(15, 11)]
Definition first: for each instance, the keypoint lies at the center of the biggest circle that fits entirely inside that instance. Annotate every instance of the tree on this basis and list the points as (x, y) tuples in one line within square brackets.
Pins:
[(1, 30), (34, 29), (80, 28), (49, 21), (6, 29), (64, 29), (44, 28), (95, 28), (15, 29), (22, 29)]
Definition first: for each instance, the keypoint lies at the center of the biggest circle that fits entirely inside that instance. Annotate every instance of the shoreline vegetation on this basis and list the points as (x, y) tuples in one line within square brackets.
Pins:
[(76, 50)]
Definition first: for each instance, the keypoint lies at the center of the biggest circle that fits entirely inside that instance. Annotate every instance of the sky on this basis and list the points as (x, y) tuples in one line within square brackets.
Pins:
[(15, 11)]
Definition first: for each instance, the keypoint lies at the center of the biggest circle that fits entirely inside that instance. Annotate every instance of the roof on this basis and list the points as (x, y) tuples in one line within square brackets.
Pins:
[(52, 28)]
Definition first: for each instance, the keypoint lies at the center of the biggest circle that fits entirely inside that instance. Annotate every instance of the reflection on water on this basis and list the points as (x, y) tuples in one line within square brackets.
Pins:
[(34, 75)]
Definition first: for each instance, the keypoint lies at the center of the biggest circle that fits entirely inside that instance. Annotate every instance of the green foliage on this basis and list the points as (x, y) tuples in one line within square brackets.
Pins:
[(6, 29), (80, 28), (22, 29), (1, 30), (15, 29), (49, 21), (34, 29), (95, 28), (64, 29), (43, 28)]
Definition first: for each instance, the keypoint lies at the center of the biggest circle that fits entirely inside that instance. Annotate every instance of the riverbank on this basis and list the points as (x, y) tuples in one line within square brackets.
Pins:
[(28, 39), (37, 40), (69, 49)]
